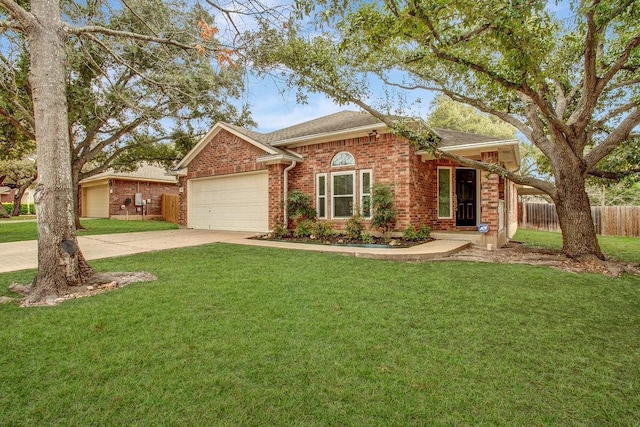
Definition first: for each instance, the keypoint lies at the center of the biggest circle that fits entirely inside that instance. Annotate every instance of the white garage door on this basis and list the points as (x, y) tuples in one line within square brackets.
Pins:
[(234, 203), (95, 202)]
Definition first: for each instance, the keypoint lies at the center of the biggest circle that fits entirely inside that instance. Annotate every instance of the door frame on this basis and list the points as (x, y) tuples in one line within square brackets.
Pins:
[(476, 198)]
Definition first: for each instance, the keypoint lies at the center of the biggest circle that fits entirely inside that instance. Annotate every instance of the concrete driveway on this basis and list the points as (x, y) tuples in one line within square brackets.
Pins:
[(23, 255)]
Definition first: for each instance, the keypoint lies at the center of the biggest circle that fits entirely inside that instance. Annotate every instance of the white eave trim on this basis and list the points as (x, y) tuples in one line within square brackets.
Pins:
[(178, 172), (332, 136), (211, 134), (168, 180), (479, 146), (279, 158)]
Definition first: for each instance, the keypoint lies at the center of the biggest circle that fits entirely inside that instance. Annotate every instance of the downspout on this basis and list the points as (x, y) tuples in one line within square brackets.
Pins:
[(285, 175)]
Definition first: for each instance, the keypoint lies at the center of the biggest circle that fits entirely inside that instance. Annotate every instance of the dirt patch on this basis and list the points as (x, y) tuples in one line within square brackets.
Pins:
[(518, 253), (97, 284)]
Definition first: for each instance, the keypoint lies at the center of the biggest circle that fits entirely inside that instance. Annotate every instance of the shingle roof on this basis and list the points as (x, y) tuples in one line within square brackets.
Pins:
[(453, 138), (332, 123), (145, 172), (344, 120)]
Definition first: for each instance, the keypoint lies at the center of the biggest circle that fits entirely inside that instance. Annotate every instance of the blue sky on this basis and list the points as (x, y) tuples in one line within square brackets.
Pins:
[(273, 108)]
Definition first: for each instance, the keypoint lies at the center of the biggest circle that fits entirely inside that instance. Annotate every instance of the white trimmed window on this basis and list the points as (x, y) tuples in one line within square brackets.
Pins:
[(366, 185), (343, 158), (444, 193), (342, 194), (321, 195)]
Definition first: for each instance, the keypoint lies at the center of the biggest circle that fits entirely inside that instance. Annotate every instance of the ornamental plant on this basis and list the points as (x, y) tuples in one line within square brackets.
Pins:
[(384, 210)]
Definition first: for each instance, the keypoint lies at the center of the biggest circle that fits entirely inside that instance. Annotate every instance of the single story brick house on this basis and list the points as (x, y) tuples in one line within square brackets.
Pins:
[(126, 195), (237, 179)]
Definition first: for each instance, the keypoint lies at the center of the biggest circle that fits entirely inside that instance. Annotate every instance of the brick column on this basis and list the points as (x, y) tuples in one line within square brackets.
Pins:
[(489, 195), (182, 201), (276, 196)]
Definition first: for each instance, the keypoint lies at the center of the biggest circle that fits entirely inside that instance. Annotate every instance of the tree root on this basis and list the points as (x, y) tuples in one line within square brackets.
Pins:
[(96, 283)]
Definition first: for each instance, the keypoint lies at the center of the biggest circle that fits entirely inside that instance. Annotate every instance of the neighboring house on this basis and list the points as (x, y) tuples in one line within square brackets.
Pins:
[(6, 194), (237, 179), (126, 195)]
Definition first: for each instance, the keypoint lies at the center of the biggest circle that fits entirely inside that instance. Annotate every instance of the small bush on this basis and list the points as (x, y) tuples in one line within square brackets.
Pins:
[(411, 234), (299, 206), (367, 239), (24, 208), (304, 228), (384, 210), (424, 232), (355, 227), (279, 231), (322, 229)]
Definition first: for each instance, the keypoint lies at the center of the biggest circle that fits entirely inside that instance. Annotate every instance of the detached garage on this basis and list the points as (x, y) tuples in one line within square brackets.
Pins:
[(238, 202), (95, 201)]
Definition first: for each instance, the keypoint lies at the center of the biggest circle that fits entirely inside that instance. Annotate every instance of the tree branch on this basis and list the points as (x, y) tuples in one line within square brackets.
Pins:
[(613, 176), (16, 123), (18, 13), (95, 29), (613, 140)]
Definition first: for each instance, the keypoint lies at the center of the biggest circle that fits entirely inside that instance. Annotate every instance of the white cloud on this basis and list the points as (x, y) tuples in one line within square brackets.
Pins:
[(274, 112)]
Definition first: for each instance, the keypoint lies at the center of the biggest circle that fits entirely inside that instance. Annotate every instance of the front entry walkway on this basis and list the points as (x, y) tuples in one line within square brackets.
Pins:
[(24, 255)]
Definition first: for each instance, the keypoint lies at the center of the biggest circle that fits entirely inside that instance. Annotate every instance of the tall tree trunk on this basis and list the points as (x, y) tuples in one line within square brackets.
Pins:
[(579, 238), (61, 264)]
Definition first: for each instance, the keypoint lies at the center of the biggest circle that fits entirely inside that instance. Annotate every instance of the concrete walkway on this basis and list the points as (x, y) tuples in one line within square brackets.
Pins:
[(23, 255)]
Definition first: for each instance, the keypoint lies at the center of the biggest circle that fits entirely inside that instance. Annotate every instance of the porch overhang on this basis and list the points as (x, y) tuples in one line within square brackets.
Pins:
[(508, 152)]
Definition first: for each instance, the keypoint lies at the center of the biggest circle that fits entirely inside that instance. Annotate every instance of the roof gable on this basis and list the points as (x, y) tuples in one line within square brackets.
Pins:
[(251, 137)]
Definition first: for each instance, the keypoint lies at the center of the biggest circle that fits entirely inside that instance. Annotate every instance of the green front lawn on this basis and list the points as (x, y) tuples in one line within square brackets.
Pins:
[(238, 335), (615, 247), (18, 232)]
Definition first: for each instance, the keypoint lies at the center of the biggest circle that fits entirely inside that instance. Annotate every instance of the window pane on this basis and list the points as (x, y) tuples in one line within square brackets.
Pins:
[(342, 206), (321, 208), (321, 186), (366, 183), (343, 159), (444, 193), (342, 185)]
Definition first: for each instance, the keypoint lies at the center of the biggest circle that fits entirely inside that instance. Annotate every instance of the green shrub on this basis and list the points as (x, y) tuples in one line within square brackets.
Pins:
[(322, 229), (299, 206), (24, 208), (411, 234), (384, 210), (424, 232), (355, 226), (304, 228), (279, 231), (367, 239)]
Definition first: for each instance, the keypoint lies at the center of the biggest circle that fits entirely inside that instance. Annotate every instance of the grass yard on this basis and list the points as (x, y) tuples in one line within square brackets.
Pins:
[(235, 335), (21, 231), (616, 247)]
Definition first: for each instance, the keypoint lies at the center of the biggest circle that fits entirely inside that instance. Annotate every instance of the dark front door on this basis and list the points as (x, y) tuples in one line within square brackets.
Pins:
[(466, 195)]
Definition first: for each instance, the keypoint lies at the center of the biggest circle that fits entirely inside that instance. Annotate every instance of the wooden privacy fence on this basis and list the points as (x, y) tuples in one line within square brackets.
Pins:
[(170, 207), (608, 220)]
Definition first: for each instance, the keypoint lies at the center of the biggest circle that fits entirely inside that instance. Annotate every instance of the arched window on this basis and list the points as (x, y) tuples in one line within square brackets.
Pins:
[(343, 158)]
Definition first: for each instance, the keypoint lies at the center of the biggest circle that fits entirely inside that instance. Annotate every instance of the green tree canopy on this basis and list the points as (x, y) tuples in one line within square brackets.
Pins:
[(568, 84)]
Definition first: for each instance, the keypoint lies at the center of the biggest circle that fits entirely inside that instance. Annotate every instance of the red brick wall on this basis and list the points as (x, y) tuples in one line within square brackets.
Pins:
[(122, 189), (388, 158), (225, 154), (490, 194), (276, 194)]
